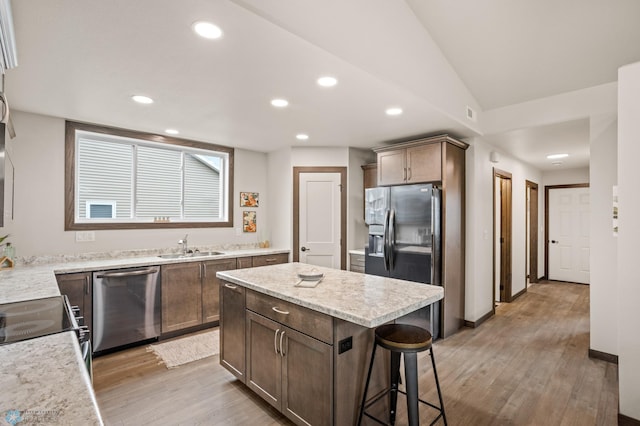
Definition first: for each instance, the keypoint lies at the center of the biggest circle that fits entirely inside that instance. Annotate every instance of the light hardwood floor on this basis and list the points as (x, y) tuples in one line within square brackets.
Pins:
[(528, 365)]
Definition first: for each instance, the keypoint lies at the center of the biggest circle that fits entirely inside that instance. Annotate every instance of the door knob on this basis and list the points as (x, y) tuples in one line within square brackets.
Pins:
[(554, 242), (304, 249)]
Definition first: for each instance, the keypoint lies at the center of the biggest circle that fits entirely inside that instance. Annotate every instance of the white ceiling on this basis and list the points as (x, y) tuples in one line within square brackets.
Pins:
[(83, 60)]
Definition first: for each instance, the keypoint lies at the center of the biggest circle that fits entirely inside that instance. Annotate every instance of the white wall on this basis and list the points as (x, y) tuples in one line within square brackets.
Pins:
[(38, 228), (280, 180), (629, 235), (479, 225), (604, 250), (565, 177)]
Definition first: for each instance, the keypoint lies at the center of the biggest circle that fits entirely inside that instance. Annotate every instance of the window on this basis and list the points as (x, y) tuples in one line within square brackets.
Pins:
[(121, 179)]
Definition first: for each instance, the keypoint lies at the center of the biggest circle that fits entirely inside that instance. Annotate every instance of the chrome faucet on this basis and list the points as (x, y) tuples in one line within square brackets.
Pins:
[(185, 248)]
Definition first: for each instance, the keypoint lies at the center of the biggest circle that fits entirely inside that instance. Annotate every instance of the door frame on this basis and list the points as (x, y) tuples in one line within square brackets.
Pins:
[(546, 219), (506, 224), (343, 209), (532, 232)]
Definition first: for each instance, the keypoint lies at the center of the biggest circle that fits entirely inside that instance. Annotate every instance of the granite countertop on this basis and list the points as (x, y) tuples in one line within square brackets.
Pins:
[(366, 300), (357, 251), (44, 381), (26, 282)]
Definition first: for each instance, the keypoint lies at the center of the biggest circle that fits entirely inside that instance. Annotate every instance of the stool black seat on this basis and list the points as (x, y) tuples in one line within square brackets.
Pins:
[(407, 340)]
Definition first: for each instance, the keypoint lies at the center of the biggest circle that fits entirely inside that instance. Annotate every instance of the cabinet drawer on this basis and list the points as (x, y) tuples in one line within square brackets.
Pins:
[(357, 260), (307, 321), (270, 259)]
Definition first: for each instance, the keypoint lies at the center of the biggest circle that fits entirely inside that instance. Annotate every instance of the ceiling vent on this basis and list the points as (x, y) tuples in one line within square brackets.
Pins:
[(8, 56), (471, 114)]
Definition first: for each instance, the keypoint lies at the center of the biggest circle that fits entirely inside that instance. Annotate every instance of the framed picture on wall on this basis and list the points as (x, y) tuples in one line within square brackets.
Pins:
[(249, 221), (249, 199)]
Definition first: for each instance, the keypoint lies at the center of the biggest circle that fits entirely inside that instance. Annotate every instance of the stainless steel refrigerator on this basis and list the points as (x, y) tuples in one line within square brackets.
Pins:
[(405, 240)]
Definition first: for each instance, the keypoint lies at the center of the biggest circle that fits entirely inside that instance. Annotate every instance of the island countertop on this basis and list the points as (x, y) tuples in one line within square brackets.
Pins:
[(366, 300)]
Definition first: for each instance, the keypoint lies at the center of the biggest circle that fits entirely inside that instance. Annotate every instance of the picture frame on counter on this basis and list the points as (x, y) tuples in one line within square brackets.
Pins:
[(249, 199)]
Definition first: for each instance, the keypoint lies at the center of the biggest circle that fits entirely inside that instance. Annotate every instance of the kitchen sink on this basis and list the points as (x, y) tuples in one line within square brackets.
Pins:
[(189, 255)]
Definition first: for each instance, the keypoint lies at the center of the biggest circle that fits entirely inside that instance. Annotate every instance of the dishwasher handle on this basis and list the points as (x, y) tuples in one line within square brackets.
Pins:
[(127, 273)]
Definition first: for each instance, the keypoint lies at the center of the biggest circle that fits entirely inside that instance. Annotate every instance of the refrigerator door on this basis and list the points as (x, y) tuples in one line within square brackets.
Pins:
[(376, 204), (412, 239)]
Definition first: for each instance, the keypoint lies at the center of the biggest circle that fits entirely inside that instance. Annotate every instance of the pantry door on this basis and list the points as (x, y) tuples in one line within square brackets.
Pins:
[(568, 233), (320, 216)]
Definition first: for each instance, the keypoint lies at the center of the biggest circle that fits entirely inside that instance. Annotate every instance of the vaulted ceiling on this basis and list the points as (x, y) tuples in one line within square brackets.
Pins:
[(434, 59)]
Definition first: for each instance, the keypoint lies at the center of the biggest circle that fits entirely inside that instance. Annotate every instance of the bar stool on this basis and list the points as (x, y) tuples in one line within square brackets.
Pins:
[(408, 340)]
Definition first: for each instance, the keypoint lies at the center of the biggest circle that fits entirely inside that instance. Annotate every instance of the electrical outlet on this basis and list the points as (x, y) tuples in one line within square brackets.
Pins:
[(85, 236), (345, 345)]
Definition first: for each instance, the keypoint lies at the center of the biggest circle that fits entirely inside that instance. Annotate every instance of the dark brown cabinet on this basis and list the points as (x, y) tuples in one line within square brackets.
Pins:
[(232, 329), (211, 287), (77, 287), (191, 293), (181, 295), (269, 259), (290, 370), (417, 162)]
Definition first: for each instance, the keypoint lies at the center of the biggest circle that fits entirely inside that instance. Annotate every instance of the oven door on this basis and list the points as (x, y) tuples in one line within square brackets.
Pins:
[(85, 348)]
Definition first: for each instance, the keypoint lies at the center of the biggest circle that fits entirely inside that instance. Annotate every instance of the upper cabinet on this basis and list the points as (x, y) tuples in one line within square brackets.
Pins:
[(417, 161)]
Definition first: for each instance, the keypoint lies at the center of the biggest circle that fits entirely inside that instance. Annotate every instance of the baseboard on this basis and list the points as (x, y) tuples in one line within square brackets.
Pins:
[(603, 356), (518, 294), (627, 421), (474, 324)]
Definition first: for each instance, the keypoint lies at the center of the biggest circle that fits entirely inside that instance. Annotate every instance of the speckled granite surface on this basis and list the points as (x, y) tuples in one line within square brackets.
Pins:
[(365, 300), (44, 381), (36, 280)]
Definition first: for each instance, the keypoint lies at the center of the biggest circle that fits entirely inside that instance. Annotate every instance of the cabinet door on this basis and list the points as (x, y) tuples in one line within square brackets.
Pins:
[(245, 262), (264, 363), (424, 163), (232, 329), (181, 296), (391, 167), (370, 175), (211, 287), (307, 379), (270, 259), (77, 287)]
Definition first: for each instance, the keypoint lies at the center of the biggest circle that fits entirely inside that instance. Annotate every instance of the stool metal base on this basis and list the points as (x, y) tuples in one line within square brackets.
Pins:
[(411, 377)]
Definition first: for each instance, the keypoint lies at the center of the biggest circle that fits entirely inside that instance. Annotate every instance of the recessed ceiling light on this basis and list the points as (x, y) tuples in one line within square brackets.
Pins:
[(171, 131), (280, 103), (556, 156), (207, 30), (394, 111), (327, 81), (142, 99), (557, 163), (302, 136)]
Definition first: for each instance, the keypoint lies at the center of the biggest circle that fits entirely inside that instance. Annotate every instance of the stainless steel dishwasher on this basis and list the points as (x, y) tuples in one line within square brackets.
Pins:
[(126, 306)]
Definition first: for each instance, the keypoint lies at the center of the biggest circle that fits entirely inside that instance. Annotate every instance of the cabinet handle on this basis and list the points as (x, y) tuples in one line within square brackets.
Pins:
[(204, 271), (408, 173), (404, 173), (281, 348), (275, 341), (230, 286), (86, 284), (271, 259), (279, 311)]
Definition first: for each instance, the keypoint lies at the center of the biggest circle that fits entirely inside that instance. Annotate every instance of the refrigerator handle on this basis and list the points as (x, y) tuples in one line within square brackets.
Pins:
[(392, 238), (436, 237), (385, 240)]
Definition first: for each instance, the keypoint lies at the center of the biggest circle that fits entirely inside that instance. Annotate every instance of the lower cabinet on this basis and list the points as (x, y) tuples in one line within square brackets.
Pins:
[(232, 329), (77, 287), (211, 287), (290, 370), (191, 293), (181, 296)]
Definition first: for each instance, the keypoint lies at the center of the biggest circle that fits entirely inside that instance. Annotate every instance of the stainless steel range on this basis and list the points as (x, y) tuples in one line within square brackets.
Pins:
[(29, 319)]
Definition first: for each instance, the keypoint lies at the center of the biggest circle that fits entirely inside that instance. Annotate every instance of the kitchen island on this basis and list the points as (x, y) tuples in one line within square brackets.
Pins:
[(305, 348)]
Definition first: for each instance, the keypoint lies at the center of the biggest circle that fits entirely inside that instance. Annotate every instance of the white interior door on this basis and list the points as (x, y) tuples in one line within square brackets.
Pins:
[(319, 235), (569, 237)]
